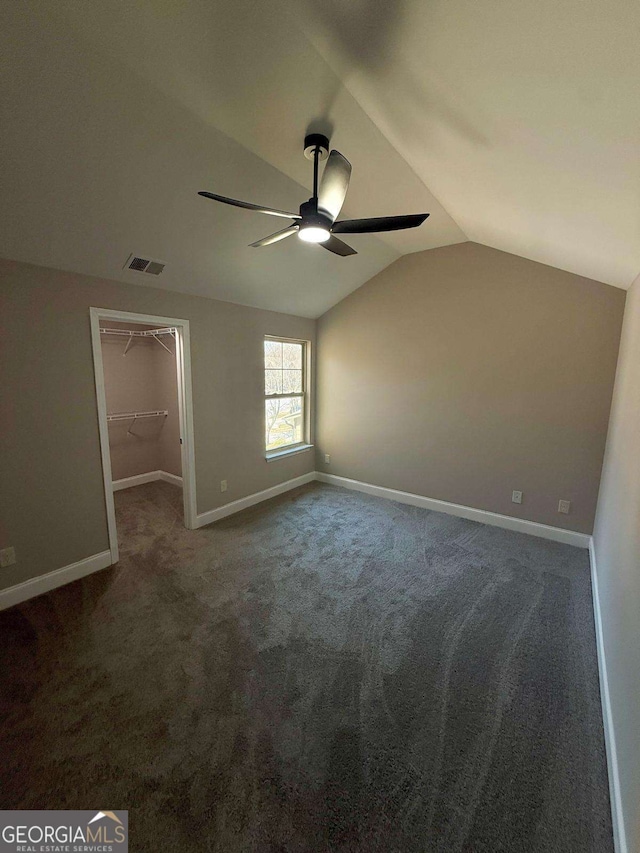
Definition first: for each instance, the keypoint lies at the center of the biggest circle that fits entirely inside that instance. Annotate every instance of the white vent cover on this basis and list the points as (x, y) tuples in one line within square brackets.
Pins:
[(140, 264)]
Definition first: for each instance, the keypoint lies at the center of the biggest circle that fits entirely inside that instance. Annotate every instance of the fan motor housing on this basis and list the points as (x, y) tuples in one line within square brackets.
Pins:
[(313, 141), (312, 216)]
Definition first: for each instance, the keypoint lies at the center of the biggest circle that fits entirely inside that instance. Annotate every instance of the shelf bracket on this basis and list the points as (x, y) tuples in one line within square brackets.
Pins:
[(155, 337)]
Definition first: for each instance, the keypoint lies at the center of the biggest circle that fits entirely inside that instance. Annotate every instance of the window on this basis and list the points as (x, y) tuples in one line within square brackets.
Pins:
[(285, 392)]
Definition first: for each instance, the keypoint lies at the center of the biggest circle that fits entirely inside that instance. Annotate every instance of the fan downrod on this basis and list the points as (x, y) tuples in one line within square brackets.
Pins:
[(313, 141)]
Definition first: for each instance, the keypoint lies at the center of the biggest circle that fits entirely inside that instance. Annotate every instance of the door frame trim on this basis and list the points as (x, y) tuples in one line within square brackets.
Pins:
[(185, 410)]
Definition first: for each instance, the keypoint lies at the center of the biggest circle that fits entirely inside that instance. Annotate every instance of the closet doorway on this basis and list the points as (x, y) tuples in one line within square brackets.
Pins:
[(142, 367)]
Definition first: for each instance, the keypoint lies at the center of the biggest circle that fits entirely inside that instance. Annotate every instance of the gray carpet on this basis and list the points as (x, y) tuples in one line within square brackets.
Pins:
[(325, 672)]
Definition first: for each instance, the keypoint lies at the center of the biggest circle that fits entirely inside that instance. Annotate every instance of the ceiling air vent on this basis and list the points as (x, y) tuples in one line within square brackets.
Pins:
[(135, 262)]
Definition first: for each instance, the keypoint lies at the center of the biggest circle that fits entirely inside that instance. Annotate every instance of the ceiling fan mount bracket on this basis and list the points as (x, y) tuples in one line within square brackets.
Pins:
[(313, 141)]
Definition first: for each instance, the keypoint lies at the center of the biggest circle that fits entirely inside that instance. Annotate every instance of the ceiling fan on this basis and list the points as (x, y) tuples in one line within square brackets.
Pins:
[(316, 221)]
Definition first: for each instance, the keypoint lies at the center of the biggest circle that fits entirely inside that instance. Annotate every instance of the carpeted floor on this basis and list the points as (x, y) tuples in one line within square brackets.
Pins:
[(324, 672)]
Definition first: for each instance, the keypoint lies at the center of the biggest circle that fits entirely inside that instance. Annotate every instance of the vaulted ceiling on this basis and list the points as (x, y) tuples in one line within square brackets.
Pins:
[(516, 125)]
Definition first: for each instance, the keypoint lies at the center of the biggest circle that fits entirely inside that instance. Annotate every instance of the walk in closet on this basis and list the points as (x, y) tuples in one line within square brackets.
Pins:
[(141, 392)]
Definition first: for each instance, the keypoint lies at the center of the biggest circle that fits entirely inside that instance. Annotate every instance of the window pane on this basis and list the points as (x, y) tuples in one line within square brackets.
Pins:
[(284, 421), (273, 382), (292, 356), (273, 354), (291, 382)]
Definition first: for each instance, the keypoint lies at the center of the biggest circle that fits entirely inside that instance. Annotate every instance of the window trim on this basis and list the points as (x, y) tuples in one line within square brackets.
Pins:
[(289, 450), (305, 444)]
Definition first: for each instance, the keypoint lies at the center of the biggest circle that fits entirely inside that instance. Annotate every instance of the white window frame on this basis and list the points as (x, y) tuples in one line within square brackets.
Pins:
[(305, 444)]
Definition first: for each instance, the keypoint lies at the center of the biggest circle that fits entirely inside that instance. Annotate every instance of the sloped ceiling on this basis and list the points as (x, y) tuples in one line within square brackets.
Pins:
[(514, 125), (522, 118)]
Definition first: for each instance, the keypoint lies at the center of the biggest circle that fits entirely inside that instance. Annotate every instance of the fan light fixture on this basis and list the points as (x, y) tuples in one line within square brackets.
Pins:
[(317, 222), (314, 234)]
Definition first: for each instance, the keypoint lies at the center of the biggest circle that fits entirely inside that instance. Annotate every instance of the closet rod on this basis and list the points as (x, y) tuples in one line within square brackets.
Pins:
[(128, 416)]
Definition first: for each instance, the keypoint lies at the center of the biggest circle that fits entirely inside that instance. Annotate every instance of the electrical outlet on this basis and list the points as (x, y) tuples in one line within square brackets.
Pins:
[(327, 458), (516, 497), (7, 557), (223, 485), (564, 506)]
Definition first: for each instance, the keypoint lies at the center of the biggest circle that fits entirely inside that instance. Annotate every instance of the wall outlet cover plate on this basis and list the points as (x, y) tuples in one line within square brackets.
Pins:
[(7, 557)]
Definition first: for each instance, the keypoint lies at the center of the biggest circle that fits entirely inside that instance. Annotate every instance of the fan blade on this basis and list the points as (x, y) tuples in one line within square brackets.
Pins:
[(380, 223), (249, 206), (334, 185), (337, 247), (274, 238)]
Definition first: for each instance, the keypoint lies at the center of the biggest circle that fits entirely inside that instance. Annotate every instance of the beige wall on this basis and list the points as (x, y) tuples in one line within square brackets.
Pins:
[(617, 549), (142, 380), (52, 501), (463, 373)]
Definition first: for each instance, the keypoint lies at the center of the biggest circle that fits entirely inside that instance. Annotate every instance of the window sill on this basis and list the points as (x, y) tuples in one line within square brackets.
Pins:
[(272, 455)]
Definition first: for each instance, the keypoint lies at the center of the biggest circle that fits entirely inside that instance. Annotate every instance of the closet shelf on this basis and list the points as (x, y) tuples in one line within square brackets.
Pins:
[(136, 333), (133, 416)]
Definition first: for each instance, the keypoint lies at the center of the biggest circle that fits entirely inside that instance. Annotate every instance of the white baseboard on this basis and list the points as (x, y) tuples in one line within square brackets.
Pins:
[(137, 480), (244, 503), (617, 814), (149, 477), (59, 577), (170, 478), (545, 531)]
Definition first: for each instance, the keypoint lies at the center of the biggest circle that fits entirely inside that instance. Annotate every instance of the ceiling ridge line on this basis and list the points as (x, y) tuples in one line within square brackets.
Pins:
[(404, 160), (341, 83)]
